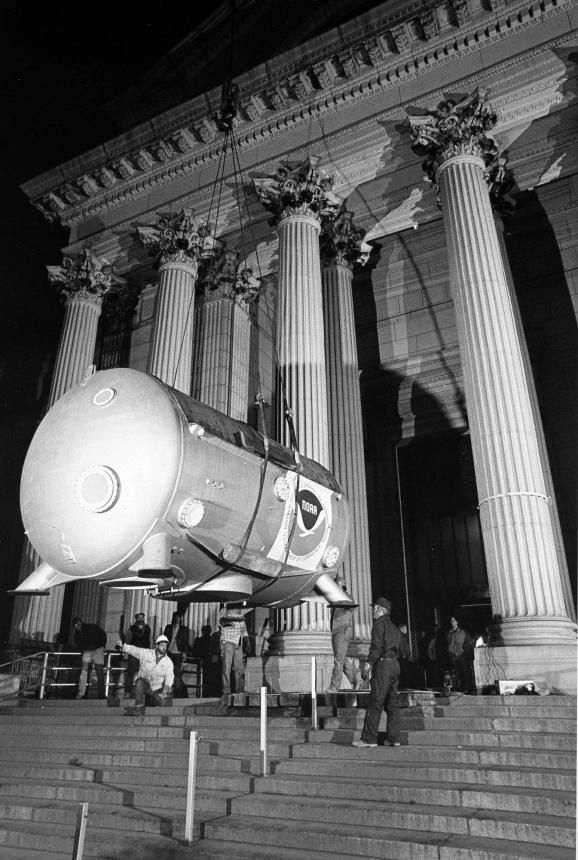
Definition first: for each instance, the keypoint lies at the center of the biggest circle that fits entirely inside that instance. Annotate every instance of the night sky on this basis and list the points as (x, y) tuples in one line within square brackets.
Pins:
[(61, 63)]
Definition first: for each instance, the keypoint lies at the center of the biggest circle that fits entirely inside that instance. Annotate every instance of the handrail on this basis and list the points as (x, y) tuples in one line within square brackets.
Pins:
[(40, 672), (28, 673)]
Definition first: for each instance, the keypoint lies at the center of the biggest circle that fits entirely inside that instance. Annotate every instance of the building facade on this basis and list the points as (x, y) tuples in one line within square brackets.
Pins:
[(382, 240)]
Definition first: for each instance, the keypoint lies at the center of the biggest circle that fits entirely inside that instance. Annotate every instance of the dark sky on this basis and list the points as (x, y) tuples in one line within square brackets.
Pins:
[(60, 63)]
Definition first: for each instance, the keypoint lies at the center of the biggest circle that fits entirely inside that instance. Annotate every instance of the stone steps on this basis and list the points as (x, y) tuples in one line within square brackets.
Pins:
[(357, 841), (503, 789)]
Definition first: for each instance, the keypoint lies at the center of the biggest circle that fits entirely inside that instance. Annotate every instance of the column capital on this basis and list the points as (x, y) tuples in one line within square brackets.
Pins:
[(341, 242), (223, 277), (84, 277), (298, 188), (460, 125), (176, 238)]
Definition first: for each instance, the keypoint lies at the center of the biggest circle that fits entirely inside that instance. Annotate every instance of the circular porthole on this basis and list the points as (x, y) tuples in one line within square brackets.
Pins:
[(104, 396), (97, 488), (330, 557), (191, 513), (282, 488)]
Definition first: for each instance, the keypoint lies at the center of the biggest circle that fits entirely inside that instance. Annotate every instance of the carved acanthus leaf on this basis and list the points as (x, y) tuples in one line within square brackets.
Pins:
[(177, 238), (341, 242), (86, 276), (460, 125), (298, 187)]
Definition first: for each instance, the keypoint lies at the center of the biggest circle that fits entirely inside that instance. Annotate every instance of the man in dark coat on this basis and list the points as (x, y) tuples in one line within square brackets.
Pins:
[(387, 646), (91, 640), (139, 635)]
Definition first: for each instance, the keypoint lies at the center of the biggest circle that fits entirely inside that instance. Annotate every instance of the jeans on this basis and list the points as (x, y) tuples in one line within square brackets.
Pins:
[(92, 658), (232, 658), (141, 689), (383, 693), (132, 668), (340, 640)]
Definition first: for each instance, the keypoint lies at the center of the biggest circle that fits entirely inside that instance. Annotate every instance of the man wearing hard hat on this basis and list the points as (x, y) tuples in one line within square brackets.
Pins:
[(155, 676)]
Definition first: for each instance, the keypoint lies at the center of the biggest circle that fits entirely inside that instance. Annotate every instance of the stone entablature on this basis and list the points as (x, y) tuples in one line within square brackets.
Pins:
[(371, 54)]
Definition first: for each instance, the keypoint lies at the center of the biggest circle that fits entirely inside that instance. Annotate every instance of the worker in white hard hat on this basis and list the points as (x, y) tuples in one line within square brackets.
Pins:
[(155, 676)]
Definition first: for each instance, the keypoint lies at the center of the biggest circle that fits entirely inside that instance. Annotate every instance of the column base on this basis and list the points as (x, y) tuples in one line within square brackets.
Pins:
[(551, 667), (535, 631), (289, 674)]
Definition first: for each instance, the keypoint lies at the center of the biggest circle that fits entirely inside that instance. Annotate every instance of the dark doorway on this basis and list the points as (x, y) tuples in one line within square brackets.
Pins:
[(444, 555)]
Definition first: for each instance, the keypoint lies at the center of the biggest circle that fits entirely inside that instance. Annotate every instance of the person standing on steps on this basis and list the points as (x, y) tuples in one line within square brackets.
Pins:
[(139, 635), (387, 646), (90, 639), (341, 636), (178, 635), (155, 676), (460, 654), (233, 633)]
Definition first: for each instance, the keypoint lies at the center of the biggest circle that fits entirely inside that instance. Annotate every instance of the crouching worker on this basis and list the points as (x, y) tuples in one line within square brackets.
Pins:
[(155, 676)]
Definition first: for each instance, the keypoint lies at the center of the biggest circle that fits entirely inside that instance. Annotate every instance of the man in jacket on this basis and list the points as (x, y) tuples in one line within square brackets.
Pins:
[(387, 646), (155, 675), (459, 649), (90, 639)]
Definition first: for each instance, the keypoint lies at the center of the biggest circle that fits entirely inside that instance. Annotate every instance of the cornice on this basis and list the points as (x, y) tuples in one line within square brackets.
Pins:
[(375, 52)]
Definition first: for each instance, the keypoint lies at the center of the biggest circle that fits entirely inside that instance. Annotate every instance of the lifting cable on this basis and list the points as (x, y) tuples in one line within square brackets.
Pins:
[(227, 114)]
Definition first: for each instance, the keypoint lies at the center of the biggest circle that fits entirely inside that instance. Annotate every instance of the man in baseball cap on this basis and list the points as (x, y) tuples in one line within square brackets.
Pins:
[(155, 675), (387, 645)]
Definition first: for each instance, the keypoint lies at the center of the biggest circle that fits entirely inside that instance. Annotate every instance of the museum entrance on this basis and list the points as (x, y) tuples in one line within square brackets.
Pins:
[(445, 569)]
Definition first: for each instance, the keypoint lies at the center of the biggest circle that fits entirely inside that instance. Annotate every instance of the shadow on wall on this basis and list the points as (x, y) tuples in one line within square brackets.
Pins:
[(549, 322)]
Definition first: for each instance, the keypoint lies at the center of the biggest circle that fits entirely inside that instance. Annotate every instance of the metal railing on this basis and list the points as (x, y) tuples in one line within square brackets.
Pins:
[(22, 675), (45, 671)]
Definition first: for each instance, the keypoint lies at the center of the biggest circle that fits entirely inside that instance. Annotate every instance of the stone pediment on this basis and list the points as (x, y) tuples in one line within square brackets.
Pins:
[(381, 51)]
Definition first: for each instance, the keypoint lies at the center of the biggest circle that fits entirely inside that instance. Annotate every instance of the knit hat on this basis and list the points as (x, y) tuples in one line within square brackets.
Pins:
[(161, 639)]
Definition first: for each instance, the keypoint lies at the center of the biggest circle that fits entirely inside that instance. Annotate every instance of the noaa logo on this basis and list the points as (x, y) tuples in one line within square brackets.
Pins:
[(310, 511)]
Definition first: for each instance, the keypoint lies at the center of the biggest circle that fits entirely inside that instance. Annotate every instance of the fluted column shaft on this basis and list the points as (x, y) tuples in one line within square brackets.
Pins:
[(171, 352), (170, 359), (301, 353), (555, 520), (528, 580), (40, 617), (221, 356), (346, 433), (221, 380), (300, 334)]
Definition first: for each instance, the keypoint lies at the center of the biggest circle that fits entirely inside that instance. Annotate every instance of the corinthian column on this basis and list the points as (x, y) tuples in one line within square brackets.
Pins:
[(221, 357), (81, 283), (528, 578), (342, 246), (178, 244), (299, 196)]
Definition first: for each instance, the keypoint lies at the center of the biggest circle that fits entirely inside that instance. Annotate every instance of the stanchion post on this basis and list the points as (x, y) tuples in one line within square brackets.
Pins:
[(263, 744), (313, 693), (190, 814), (81, 820), (44, 675)]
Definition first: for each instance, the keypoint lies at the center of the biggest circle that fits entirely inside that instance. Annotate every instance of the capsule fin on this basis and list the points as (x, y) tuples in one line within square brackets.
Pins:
[(42, 579)]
